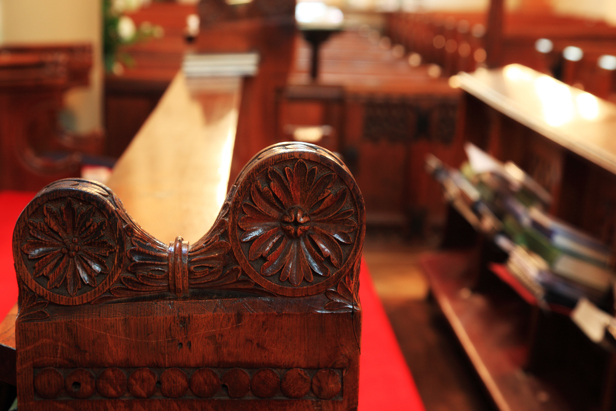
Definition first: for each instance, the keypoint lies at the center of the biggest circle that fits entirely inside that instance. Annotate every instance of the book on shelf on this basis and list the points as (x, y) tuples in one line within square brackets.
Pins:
[(535, 275), (584, 270), (464, 195), (470, 194), (455, 185), (555, 261), (569, 239), (526, 269), (512, 178), (595, 323)]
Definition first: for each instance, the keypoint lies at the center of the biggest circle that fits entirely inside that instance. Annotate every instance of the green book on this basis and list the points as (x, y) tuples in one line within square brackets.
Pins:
[(580, 269)]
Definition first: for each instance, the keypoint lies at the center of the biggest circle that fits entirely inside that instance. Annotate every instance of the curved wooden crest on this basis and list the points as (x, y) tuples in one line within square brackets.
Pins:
[(292, 226)]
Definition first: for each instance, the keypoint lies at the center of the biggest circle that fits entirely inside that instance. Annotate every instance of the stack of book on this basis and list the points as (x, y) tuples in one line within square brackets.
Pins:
[(577, 263), (555, 261)]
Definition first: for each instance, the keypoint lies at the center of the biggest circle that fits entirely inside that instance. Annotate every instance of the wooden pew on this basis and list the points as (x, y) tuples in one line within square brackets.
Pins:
[(158, 176), (391, 110), (511, 39), (279, 369), (33, 81), (529, 356), (175, 176)]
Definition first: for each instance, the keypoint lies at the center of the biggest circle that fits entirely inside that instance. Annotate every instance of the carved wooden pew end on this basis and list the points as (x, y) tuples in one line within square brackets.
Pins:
[(262, 313)]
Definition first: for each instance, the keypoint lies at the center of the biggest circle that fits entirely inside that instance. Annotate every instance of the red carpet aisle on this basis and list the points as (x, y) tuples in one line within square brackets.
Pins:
[(385, 382)]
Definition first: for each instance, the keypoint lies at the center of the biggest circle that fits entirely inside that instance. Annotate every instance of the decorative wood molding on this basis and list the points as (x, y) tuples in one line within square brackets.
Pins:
[(261, 313), (403, 120), (154, 383), (292, 225)]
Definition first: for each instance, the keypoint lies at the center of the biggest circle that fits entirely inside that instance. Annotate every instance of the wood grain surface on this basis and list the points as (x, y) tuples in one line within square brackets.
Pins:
[(178, 164)]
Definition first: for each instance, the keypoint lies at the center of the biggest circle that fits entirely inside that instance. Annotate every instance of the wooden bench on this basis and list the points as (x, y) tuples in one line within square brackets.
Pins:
[(439, 37), (389, 110), (35, 149)]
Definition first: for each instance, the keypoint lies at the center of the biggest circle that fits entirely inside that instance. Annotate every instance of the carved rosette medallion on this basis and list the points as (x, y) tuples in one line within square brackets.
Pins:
[(67, 250), (295, 227)]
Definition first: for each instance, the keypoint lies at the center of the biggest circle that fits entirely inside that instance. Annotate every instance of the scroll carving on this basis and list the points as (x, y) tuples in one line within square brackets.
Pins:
[(346, 294), (292, 225), (31, 306)]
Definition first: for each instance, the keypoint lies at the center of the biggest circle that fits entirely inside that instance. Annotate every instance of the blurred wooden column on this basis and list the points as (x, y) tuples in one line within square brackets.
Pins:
[(495, 33)]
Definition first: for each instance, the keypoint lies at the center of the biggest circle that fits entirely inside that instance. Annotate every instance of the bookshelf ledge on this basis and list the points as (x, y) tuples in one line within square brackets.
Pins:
[(494, 336)]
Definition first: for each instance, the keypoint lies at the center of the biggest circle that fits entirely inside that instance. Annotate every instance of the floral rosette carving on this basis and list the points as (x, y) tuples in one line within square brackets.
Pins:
[(69, 246), (298, 224), (69, 243)]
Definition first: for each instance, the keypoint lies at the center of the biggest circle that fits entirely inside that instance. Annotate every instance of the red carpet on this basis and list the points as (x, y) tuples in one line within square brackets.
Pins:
[(385, 383), (11, 204)]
